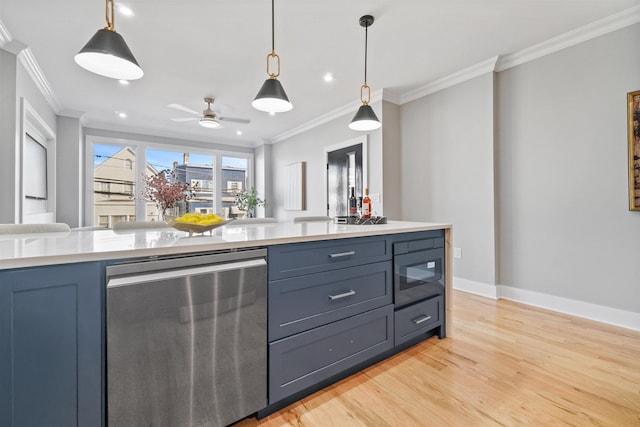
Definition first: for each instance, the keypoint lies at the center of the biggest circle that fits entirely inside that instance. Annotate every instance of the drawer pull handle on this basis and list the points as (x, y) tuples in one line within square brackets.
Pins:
[(421, 319), (342, 254), (343, 295)]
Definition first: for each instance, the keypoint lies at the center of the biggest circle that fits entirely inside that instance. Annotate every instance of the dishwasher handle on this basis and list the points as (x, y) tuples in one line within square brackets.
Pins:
[(137, 279)]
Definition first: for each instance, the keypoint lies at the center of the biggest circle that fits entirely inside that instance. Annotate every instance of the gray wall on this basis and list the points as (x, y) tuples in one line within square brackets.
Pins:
[(564, 225), (8, 126), (70, 179), (447, 170), (309, 147), (16, 84)]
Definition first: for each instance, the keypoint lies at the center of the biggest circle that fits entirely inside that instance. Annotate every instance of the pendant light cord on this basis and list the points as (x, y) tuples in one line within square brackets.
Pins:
[(366, 30), (273, 25)]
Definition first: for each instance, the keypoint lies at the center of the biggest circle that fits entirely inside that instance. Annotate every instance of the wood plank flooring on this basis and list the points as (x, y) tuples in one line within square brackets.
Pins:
[(504, 364)]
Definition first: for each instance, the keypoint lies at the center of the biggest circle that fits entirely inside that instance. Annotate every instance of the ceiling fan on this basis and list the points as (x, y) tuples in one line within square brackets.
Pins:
[(208, 118)]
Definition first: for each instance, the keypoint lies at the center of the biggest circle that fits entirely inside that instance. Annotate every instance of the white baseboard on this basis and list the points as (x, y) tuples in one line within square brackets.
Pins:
[(599, 313), (476, 288)]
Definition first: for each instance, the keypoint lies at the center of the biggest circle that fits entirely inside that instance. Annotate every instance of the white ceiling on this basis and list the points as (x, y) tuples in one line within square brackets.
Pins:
[(190, 49)]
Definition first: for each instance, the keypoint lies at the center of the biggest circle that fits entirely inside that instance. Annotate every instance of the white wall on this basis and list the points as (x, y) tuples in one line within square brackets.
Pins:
[(447, 170), (563, 219), (309, 147)]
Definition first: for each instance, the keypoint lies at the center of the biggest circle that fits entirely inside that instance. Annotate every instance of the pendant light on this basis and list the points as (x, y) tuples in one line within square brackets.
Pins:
[(365, 119), (107, 54), (272, 98)]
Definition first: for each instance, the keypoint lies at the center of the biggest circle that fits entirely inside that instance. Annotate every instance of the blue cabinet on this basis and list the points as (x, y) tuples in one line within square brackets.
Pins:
[(51, 352)]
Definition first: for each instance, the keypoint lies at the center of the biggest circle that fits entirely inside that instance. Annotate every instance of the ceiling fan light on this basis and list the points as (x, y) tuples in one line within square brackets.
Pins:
[(272, 98), (107, 54), (209, 122), (365, 119)]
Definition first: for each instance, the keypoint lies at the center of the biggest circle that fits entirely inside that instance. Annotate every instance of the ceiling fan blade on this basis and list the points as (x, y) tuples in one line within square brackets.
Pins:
[(183, 108), (187, 119), (234, 119)]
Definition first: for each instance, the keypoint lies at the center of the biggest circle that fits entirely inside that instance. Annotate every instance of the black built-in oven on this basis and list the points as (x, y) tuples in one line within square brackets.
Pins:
[(419, 267)]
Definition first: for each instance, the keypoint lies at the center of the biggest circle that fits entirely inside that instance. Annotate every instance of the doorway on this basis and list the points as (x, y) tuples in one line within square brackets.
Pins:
[(346, 168)]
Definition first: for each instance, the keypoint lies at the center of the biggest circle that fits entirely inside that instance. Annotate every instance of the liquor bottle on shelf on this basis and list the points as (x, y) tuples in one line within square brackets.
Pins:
[(359, 207), (353, 203), (366, 204)]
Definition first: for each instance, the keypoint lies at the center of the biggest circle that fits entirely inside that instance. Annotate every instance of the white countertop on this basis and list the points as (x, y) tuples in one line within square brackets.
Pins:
[(26, 250)]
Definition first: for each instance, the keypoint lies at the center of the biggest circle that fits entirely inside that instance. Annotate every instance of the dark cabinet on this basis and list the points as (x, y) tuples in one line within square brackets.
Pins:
[(51, 352), (305, 359), (330, 310)]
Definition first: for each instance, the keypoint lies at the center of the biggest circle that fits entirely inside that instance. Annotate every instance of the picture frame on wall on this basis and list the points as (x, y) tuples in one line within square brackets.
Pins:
[(633, 99)]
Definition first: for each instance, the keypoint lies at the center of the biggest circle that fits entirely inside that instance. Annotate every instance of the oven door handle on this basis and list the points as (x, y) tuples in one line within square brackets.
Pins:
[(342, 295), (421, 319)]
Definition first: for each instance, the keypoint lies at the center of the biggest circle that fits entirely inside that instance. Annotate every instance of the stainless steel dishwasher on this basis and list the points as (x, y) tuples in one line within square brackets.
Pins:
[(187, 340)]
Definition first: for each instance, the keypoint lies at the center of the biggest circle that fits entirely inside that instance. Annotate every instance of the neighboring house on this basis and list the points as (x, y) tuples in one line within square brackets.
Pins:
[(114, 190), (200, 179)]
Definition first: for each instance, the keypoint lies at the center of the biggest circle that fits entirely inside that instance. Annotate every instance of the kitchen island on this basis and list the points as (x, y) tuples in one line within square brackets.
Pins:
[(53, 298)]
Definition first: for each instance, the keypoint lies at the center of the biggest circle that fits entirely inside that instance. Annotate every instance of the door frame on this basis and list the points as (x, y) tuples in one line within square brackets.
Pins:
[(363, 139)]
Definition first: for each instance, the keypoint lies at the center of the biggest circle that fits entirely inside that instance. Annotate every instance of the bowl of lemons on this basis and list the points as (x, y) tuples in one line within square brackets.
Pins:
[(197, 222)]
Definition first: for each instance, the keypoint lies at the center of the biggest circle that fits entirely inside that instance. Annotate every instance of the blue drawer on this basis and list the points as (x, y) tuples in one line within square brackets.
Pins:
[(305, 359), (296, 259), (418, 318), (305, 302)]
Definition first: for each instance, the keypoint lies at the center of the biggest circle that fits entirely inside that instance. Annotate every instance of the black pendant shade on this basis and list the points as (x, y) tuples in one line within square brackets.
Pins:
[(107, 54), (272, 98), (365, 119)]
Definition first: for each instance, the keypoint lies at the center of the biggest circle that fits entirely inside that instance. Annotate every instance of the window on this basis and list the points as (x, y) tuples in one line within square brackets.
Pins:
[(234, 180), (194, 169), (116, 171), (113, 183)]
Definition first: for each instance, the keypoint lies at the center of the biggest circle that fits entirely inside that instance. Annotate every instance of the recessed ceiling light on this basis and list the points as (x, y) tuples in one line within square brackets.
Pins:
[(238, 132), (272, 113), (124, 10), (124, 82), (328, 77), (122, 115)]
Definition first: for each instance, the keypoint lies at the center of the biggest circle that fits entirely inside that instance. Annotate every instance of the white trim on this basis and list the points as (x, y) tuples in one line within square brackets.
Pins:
[(5, 37), (35, 72), (476, 288), (350, 108), (599, 313), (484, 67), (31, 122), (579, 35)]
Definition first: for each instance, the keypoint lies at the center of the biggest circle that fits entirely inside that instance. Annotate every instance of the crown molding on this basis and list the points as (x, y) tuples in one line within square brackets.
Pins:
[(579, 35), (5, 37), (456, 78), (28, 60), (35, 72), (332, 115)]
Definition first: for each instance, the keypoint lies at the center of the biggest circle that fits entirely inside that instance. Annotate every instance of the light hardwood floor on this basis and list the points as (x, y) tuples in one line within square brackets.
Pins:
[(504, 364)]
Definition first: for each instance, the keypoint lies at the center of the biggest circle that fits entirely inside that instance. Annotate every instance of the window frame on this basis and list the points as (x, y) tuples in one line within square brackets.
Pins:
[(140, 147)]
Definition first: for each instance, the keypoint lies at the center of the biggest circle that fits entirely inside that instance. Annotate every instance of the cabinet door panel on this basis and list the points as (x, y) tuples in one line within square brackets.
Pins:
[(296, 259), (303, 360), (305, 302), (50, 349)]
